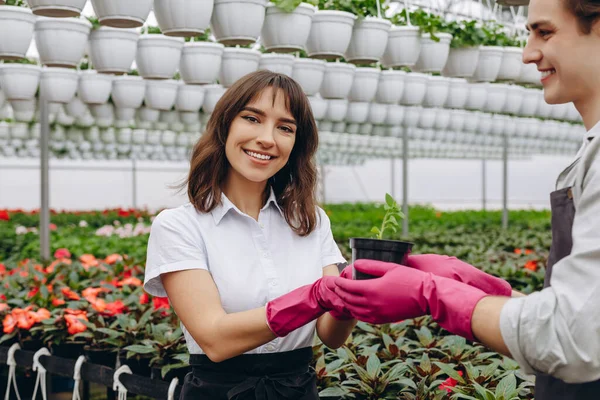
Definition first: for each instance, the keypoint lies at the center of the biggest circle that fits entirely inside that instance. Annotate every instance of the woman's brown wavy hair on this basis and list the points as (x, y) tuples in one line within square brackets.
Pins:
[(294, 185)]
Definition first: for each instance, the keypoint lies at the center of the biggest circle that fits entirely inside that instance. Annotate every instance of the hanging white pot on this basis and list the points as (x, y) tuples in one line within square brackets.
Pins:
[(415, 87), (94, 88), (189, 117), (530, 102), (128, 91), (390, 87), (438, 88), (339, 127), (158, 56), (472, 121), (122, 14), (76, 107), (337, 81), (498, 122), (530, 74), (458, 93), (411, 116), (457, 120), (189, 98), (377, 113), (57, 8), (559, 111), (284, 32), (104, 114), (514, 99), (496, 97), (212, 95), (477, 96), (161, 95), (52, 35), (403, 47), (336, 110), (369, 40), (484, 125), (238, 22), (488, 64), (433, 55), (59, 84), (200, 62), (544, 109), (184, 18), (236, 63), (512, 62), (138, 136), (124, 135), (19, 132), (462, 62), (113, 50), (309, 74), (330, 34), (147, 114), (23, 110), (365, 129), (16, 31), (427, 118), (358, 112), (325, 126), (442, 119), (395, 115), (19, 81), (364, 84), (280, 63), (318, 106), (123, 114)]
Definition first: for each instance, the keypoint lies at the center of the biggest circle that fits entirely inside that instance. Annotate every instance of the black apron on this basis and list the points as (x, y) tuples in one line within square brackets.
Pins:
[(563, 213), (285, 375)]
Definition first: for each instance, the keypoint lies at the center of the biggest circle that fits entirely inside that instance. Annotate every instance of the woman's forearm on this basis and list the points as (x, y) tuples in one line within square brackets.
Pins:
[(485, 323), (332, 332)]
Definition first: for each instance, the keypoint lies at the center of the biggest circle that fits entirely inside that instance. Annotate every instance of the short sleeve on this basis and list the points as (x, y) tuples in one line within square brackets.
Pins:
[(175, 244), (330, 252)]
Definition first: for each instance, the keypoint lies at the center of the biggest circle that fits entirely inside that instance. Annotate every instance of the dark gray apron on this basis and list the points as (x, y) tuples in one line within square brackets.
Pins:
[(563, 213)]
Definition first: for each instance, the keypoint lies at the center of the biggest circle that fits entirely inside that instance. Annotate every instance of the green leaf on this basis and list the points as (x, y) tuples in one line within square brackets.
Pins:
[(425, 363), (389, 200), (373, 365), (450, 371), (507, 387), (139, 349), (334, 391)]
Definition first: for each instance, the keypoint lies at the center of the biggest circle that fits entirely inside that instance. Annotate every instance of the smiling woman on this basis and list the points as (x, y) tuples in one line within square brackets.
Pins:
[(248, 264)]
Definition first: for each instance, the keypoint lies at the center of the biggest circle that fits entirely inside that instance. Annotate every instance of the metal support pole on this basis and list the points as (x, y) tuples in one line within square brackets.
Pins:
[(505, 183), (134, 183), (393, 176), (405, 182), (483, 184), (44, 179)]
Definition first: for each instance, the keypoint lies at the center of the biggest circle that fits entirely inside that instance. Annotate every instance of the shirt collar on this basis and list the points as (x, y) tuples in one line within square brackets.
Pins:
[(593, 132), (226, 205)]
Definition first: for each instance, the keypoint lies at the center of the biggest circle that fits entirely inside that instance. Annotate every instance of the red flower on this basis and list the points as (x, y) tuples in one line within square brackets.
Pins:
[(518, 251), (57, 302), (62, 253), (4, 307), (2, 269), (161, 303), (52, 227), (123, 213), (9, 323), (33, 292), (73, 319), (144, 298), (115, 308), (130, 281), (4, 215), (2, 297), (531, 265), (69, 294), (449, 383)]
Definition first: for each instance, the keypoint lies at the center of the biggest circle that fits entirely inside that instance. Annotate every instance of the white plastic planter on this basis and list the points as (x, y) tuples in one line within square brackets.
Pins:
[(390, 87), (496, 97), (514, 99), (330, 34), (357, 112), (403, 46), (427, 118), (104, 114), (415, 87), (488, 64), (124, 114), (438, 88), (477, 96), (365, 129), (337, 81), (161, 95), (544, 109), (212, 95), (442, 119), (369, 40), (457, 120), (76, 107), (395, 115), (57, 8), (458, 93), (411, 116), (19, 81), (61, 42), (336, 110), (279, 63), (433, 55), (236, 63), (158, 56), (364, 84), (285, 32), (16, 31), (530, 74), (559, 111), (189, 98), (238, 21), (59, 84), (309, 74), (189, 118), (472, 121), (23, 110), (122, 14), (200, 62), (124, 135), (94, 88), (128, 91), (113, 50), (146, 114), (377, 113), (184, 18), (462, 62), (512, 62), (530, 102), (318, 106)]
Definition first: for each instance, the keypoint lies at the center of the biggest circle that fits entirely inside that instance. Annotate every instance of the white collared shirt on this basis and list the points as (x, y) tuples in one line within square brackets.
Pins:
[(251, 262)]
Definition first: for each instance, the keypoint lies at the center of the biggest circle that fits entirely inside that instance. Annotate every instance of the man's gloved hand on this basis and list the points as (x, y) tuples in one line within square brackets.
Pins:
[(400, 292), (453, 268), (345, 314)]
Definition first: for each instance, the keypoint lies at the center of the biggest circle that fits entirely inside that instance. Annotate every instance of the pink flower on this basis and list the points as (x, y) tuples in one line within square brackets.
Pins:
[(449, 383), (62, 253)]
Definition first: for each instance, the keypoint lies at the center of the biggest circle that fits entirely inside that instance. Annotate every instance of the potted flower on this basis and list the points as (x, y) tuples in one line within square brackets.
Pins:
[(404, 42), (512, 60), (19, 79), (435, 41), (51, 34), (200, 60), (57, 8), (287, 25), (112, 50), (370, 32), (17, 24), (158, 55), (122, 14), (184, 18), (331, 29), (467, 36), (238, 22)]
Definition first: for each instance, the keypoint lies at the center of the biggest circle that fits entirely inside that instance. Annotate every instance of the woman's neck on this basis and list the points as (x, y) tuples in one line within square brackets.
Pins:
[(249, 197)]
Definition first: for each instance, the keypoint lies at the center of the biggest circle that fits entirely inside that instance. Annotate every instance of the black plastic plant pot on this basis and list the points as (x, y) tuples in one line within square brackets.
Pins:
[(394, 251)]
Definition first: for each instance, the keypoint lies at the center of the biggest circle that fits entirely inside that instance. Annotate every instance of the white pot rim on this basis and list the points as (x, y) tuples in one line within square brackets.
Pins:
[(303, 8), (367, 71), (340, 65), (491, 49), (247, 53), (310, 61), (104, 31), (144, 39), (258, 2), (438, 79), (55, 71), (192, 88), (417, 76), (28, 67), (277, 56), (336, 14), (459, 81), (93, 74), (442, 35), (198, 45), (512, 49), (393, 73), (373, 22), (76, 24), (405, 28), (129, 79), (25, 12)]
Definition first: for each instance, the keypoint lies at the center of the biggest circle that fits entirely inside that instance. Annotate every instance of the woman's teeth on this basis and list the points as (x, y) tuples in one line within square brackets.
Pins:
[(547, 73), (259, 156)]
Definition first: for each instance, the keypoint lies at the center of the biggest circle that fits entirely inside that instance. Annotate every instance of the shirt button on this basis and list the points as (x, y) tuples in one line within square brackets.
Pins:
[(270, 347), (261, 226), (273, 282)]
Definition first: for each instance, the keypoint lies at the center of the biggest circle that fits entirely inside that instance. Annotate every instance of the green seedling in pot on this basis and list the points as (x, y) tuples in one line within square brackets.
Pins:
[(390, 219)]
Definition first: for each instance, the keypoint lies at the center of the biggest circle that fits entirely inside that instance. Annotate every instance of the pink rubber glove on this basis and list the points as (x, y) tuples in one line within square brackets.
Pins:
[(344, 314), (303, 305), (453, 268), (400, 293)]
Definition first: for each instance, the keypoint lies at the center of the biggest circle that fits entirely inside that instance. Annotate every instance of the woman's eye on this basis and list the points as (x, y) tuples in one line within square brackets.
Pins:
[(250, 118), (287, 129)]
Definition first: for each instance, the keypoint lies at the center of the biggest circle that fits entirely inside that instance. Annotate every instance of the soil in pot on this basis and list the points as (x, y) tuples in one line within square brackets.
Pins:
[(394, 251), (138, 365), (103, 357)]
